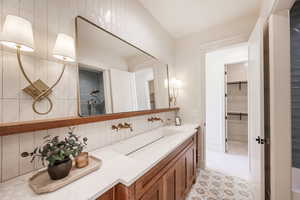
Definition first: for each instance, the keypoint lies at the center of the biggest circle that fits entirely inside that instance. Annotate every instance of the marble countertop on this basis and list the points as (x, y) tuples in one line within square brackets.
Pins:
[(121, 164)]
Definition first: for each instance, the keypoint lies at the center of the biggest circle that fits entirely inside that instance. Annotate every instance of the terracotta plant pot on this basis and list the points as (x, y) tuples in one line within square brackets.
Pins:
[(82, 160), (60, 169)]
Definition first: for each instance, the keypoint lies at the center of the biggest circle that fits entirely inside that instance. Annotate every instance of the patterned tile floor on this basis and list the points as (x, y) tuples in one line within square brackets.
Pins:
[(212, 185)]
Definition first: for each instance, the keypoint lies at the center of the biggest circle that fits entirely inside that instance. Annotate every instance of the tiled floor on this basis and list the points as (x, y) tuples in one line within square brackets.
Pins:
[(212, 185)]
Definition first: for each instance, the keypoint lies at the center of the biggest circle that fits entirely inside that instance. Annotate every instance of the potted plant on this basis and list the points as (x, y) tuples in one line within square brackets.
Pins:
[(58, 153)]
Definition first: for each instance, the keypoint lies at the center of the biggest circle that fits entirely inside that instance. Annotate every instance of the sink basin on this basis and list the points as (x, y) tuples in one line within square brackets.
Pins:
[(134, 144), (169, 131)]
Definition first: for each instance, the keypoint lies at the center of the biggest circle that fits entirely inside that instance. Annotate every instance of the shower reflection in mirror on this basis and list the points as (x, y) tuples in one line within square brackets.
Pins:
[(92, 92)]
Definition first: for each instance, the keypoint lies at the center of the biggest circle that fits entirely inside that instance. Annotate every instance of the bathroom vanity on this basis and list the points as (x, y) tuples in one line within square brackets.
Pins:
[(170, 179), (157, 164)]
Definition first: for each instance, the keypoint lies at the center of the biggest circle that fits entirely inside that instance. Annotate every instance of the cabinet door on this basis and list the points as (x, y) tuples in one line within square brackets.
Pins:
[(109, 195), (181, 180), (169, 184), (175, 181), (154, 193), (190, 166)]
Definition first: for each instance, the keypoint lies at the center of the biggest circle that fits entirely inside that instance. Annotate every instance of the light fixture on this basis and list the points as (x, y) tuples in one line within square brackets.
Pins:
[(175, 85), (64, 48), (17, 34)]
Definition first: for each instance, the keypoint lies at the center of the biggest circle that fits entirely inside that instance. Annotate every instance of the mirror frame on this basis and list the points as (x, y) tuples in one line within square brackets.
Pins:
[(122, 40)]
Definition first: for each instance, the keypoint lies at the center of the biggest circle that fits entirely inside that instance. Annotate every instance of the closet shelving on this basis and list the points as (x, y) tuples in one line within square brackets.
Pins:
[(240, 114), (237, 83), (236, 115)]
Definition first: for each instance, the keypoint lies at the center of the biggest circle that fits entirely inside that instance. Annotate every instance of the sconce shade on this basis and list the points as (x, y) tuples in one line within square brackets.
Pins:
[(17, 33), (64, 48)]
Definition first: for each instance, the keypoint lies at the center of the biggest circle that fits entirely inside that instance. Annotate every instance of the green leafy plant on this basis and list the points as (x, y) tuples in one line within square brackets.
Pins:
[(54, 150)]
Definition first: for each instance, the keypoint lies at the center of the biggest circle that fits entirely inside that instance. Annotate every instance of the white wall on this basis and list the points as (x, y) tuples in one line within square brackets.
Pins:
[(215, 92), (123, 91), (190, 62), (237, 72), (142, 88)]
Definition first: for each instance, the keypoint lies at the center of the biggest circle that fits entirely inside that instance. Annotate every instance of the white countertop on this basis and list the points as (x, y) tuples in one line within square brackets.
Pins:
[(116, 167)]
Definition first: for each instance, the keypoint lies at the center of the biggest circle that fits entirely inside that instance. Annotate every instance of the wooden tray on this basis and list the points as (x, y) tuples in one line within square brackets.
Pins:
[(41, 183)]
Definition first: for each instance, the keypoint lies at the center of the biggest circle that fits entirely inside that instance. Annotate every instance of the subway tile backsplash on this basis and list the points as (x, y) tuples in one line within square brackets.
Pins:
[(99, 134)]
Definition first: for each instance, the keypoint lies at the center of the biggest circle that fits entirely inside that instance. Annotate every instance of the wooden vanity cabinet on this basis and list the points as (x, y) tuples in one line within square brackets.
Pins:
[(170, 179), (109, 195), (175, 182), (190, 166), (156, 192)]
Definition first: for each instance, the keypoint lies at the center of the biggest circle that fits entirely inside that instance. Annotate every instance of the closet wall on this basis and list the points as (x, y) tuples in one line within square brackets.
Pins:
[(236, 102)]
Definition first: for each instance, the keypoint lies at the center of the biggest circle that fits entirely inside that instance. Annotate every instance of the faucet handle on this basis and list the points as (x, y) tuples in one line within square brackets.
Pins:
[(151, 119), (114, 127), (128, 125), (120, 126), (158, 119)]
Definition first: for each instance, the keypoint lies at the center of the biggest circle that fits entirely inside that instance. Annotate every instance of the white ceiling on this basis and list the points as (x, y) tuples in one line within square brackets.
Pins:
[(183, 17)]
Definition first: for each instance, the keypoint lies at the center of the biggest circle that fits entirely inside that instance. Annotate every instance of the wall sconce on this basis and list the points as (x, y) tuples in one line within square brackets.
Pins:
[(175, 85), (17, 34)]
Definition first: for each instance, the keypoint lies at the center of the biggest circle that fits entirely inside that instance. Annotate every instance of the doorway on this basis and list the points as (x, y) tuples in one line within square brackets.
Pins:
[(226, 111), (236, 108)]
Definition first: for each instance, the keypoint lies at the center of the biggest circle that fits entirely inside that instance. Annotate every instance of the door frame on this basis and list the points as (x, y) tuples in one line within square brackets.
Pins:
[(280, 100), (280, 106), (203, 50)]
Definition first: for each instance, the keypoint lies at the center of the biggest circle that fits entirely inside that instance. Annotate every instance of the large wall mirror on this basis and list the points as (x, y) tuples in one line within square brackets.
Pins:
[(115, 76)]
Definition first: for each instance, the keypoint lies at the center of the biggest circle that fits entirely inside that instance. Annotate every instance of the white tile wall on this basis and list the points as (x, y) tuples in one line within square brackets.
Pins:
[(26, 144), (50, 17), (10, 156), (38, 139), (126, 18), (99, 134)]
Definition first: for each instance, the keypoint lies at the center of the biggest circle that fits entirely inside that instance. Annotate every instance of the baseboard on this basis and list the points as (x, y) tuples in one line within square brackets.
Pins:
[(201, 164)]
